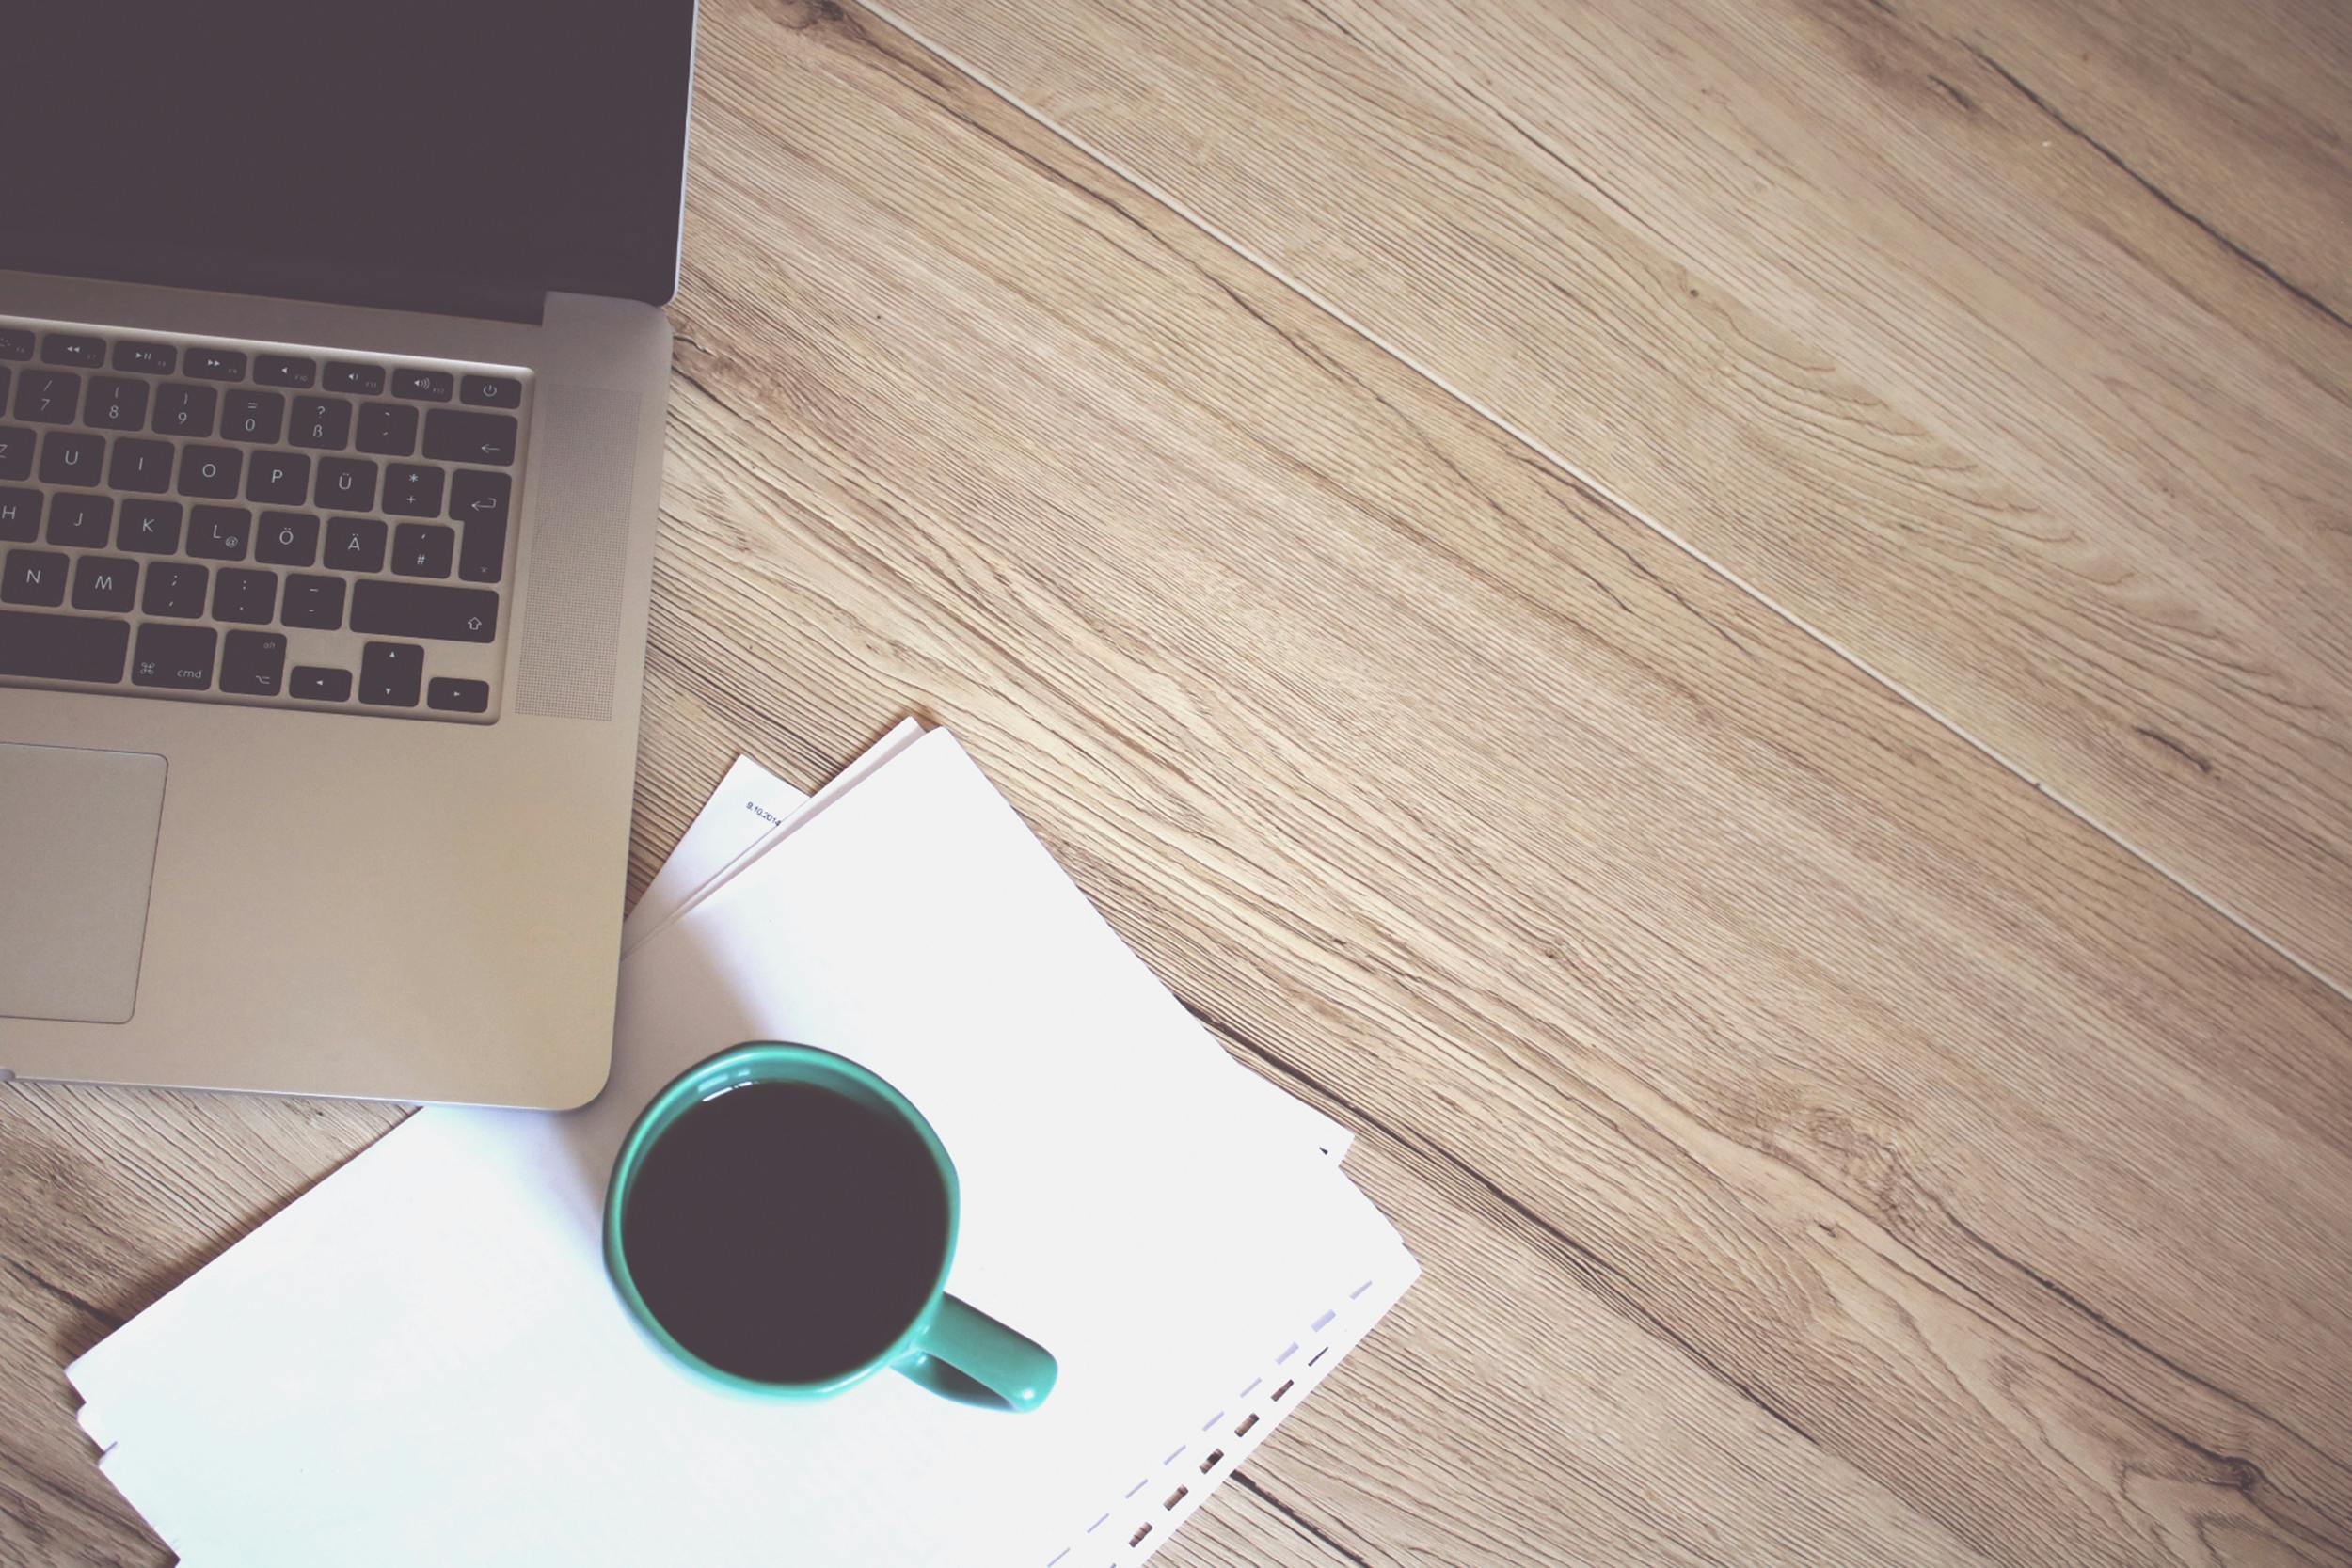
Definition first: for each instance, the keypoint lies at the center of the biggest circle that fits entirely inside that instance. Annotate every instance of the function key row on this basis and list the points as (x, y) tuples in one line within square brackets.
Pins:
[(279, 370), (61, 348), (217, 364), (71, 348), (68, 348), (486, 391), (206, 362)]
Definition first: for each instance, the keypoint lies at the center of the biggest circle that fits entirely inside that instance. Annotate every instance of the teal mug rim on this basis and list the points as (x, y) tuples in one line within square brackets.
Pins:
[(733, 1067)]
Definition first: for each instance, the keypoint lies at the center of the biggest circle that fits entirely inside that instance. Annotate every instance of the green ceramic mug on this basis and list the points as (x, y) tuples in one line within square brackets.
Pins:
[(950, 1348)]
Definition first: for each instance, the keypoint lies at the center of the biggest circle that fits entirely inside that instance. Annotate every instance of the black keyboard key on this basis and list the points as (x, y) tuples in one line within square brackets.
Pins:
[(48, 397), (456, 696), (71, 348), (174, 588), (150, 527), (62, 648), (432, 386), (19, 515), (71, 457), (321, 422), (33, 576), (215, 364), (423, 549), (388, 430), (146, 359), (478, 496), (390, 673), (178, 657), (81, 522), (249, 597), (4, 386), (311, 683), (481, 558), (211, 471), (220, 533), (348, 483), (104, 582), (15, 344), (16, 451), (458, 435), (142, 465), (279, 478), (287, 539), (345, 376), (116, 402), (252, 416), (284, 370), (253, 663), (185, 410), (423, 609), (490, 391), (313, 603), (412, 490), (355, 544)]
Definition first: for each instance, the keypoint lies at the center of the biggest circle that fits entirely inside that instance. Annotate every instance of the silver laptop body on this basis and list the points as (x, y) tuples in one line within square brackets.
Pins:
[(326, 787)]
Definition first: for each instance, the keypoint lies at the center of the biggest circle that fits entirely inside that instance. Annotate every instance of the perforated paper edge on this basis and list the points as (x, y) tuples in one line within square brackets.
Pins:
[(1168, 1492)]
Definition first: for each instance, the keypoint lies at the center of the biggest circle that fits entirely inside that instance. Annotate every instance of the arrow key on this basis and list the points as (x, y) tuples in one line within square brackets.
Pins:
[(390, 673), (312, 682), (456, 696)]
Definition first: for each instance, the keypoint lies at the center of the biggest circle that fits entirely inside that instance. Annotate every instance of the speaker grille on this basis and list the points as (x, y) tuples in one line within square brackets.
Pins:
[(585, 477)]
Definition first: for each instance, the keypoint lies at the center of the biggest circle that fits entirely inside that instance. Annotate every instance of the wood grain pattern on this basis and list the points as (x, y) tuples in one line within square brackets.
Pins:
[(1822, 1148), (2247, 136), (2007, 403)]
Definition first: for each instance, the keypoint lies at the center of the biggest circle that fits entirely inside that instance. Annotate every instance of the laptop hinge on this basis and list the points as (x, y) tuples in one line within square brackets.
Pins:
[(384, 288)]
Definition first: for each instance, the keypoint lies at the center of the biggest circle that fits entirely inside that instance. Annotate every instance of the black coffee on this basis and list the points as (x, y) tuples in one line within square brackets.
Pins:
[(786, 1233)]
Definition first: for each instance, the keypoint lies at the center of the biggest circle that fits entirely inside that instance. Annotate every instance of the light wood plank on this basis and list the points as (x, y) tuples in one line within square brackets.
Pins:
[(2236, 118), (1841, 298)]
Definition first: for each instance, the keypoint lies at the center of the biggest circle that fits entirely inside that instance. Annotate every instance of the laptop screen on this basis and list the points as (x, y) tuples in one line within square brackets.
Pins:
[(454, 155)]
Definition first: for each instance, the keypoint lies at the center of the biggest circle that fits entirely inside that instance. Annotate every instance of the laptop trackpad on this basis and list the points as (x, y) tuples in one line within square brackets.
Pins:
[(78, 851)]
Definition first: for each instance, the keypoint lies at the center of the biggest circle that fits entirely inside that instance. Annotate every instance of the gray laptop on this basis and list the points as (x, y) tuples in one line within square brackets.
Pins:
[(332, 386)]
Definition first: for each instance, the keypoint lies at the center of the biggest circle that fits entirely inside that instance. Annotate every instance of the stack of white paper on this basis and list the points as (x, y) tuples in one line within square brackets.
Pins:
[(421, 1359)]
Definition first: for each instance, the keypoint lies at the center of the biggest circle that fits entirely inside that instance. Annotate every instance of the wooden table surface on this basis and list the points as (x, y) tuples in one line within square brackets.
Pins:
[(1726, 625)]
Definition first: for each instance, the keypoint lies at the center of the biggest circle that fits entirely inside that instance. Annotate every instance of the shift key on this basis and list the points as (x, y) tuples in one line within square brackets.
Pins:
[(62, 648), (423, 609)]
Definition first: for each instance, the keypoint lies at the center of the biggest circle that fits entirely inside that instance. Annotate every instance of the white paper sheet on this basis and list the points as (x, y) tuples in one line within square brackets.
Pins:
[(421, 1360), (748, 803), (753, 810)]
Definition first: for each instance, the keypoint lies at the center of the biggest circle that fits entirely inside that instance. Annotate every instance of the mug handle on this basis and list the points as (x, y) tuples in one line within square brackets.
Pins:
[(965, 1355)]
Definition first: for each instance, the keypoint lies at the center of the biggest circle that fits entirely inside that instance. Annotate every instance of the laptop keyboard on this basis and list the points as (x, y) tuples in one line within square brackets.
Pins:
[(254, 523)]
